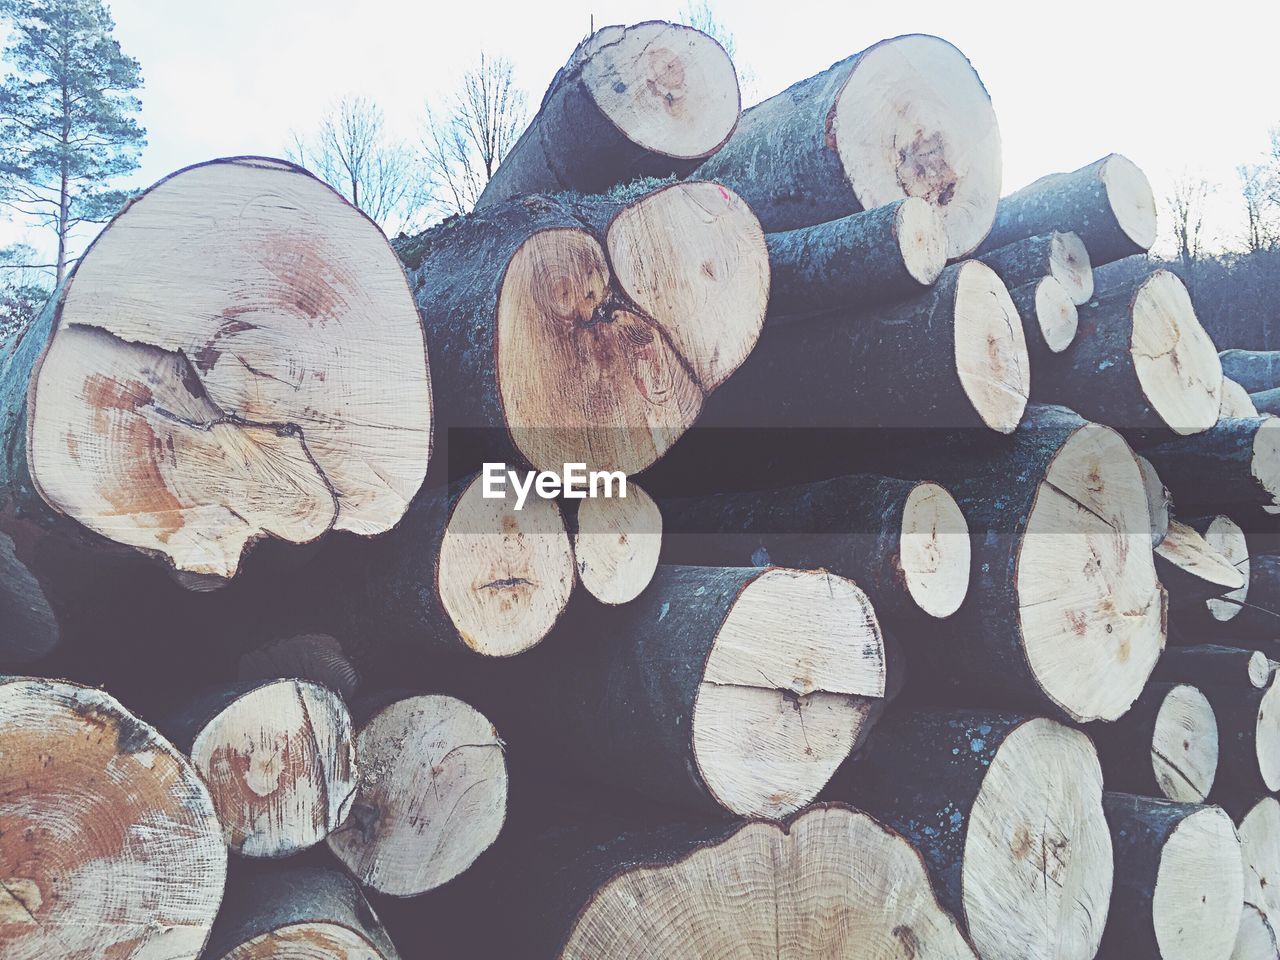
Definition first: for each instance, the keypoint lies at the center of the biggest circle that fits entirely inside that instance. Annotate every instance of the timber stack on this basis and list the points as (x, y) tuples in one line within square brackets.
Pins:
[(939, 619)]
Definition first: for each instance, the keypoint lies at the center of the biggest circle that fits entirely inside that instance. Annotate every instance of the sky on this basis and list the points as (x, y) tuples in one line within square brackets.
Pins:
[(1177, 91)]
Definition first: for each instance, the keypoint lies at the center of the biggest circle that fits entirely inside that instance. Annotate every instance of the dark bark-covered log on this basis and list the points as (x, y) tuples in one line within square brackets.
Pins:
[(316, 657), (864, 259), (953, 356), (1055, 254), (1108, 204), (1179, 880), (1255, 370), (1258, 616), (1248, 742), (647, 100), (1165, 746), (1216, 665), (109, 844), (1140, 360), (616, 544), (1193, 572), (462, 572), (277, 757), (1049, 318), (1232, 468), (1236, 402), (724, 690), (905, 543), (1266, 401), (906, 117), (587, 891), (431, 795), (296, 910), (1157, 501), (586, 330), (1059, 495), (1259, 830), (1007, 812)]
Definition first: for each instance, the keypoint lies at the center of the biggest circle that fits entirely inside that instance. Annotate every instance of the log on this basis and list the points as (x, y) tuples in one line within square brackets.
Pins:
[(1062, 256), (278, 759), (1224, 535), (1140, 360), (905, 117), (647, 100), (213, 373), (1237, 404), (905, 543), (1216, 665), (1259, 830), (1007, 812), (1255, 370), (296, 910), (1107, 204), (869, 258), (1193, 572), (315, 657), (109, 844), (1255, 939), (616, 545), (1266, 401), (462, 573), (1258, 619), (1061, 494), (1165, 746), (723, 690), (953, 356), (586, 329), (1049, 318), (1248, 742), (1157, 501), (430, 798), (1232, 468), (1179, 880), (583, 892)]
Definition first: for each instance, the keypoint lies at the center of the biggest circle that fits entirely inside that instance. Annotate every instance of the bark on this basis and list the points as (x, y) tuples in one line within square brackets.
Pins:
[(1259, 616), (579, 141), (1245, 744), (1220, 666), (1080, 201), (1055, 254), (1219, 471), (1257, 371), (814, 152), (1158, 844), (890, 253), (300, 907), (852, 526), (1266, 401)]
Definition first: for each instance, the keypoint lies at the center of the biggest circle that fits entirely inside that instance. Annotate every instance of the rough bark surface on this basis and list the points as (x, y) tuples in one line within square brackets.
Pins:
[(1258, 371), (1218, 471)]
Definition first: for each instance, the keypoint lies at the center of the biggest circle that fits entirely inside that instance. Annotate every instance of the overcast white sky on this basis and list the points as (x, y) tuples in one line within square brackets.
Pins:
[(1171, 88)]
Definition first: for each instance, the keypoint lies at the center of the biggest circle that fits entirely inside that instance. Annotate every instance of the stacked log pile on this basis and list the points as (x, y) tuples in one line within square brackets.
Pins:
[(944, 625)]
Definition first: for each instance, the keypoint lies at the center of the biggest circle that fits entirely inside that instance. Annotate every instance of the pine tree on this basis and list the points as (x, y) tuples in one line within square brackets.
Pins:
[(67, 116)]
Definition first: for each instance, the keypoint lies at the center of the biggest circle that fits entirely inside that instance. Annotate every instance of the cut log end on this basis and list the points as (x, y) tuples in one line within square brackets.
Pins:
[(617, 545), (1225, 536), (668, 88), (788, 691), (935, 551), (773, 884), (1255, 939), (109, 845), (432, 796), (1070, 265), (1265, 465), (1176, 362), (1132, 201), (1198, 884), (635, 337), (922, 239), (1267, 739), (990, 347), (1090, 647), (1192, 554), (1037, 867), (307, 941), (1056, 314), (1157, 501), (1259, 833), (1236, 402), (279, 764), (236, 356), (504, 575), (1184, 745), (914, 120)]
